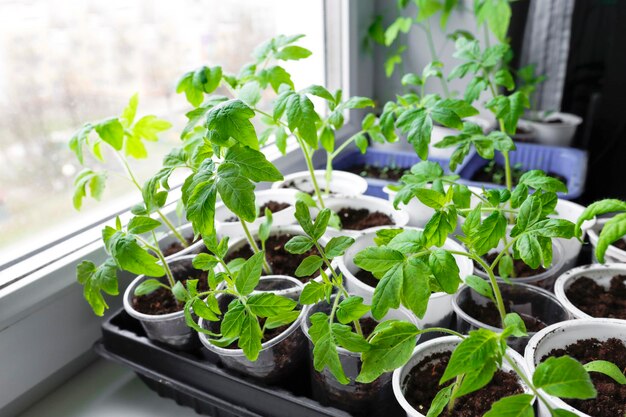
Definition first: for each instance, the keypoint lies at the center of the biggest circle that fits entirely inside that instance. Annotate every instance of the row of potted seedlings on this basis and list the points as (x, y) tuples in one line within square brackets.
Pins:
[(355, 285)]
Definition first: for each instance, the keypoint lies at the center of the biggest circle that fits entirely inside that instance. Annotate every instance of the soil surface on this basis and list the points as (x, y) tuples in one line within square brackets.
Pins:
[(292, 185), (359, 219), (273, 206), (281, 261), (176, 246), (367, 277), (495, 174), (421, 388), (488, 314), (367, 324), (390, 172), (611, 398), (162, 301), (620, 244), (597, 301), (521, 269)]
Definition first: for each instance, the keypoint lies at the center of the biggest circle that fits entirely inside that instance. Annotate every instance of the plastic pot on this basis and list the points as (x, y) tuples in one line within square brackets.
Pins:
[(284, 217), (279, 357), (543, 280), (571, 211), (422, 351), (373, 204), (187, 231), (354, 397), (439, 312), (555, 134), (601, 274), (559, 336), (292, 230), (169, 329), (341, 183), (526, 132), (613, 254), (526, 300), (440, 132)]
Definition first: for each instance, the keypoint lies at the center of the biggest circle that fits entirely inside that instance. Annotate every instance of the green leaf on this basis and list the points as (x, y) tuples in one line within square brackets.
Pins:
[(347, 339), (250, 338), (378, 259), (445, 270), (327, 139), (598, 208), (112, 132), (309, 266), (480, 285), (505, 266), (387, 293), (252, 164), (319, 91), (497, 14), (472, 353), (204, 262), (489, 233), (320, 224), (88, 180), (415, 287), (337, 246), (301, 115), (282, 319), (427, 8), (231, 119), (232, 322), (478, 378), (529, 213), (148, 286), (418, 126), (249, 274), (538, 180), (351, 309), (237, 191), (142, 224), (607, 368), (612, 230), (200, 207), (504, 78), (509, 109), (361, 142), (95, 281), (325, 353), (400, 25), (299, 245), (267, 304), (514, 325), (312, 292), (201, 309), (439, 227), (293, 52), (148, 127), (275, 76), (195, 83), (440, 401), (564, 377), (128, 114), (519, 405), (431, 198), (303, 216), (133, 258), (391, 347), (559, 412), (250, 93)]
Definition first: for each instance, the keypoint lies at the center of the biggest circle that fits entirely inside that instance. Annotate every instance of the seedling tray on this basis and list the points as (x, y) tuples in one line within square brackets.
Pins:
[(380, 158), (567, 162), (197, 380)]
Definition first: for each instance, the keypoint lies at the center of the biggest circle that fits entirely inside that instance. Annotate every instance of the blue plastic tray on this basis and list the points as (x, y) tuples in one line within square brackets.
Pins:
[(380, 158), (567, 162)]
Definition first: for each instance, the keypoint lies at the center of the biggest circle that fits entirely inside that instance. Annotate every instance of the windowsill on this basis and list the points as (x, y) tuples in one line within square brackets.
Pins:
[(105, 389)]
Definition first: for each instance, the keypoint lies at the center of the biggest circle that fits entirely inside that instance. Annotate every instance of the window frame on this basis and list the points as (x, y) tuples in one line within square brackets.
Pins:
[(42, 283)]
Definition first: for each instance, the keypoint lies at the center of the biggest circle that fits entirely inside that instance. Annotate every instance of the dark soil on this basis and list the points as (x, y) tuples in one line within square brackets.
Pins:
[(281, 261), (273, 206), (176, 246), (620, 244), (367, 324), (292, 185), (367, 277), (554, 121), (611, 398), (488, 314), (390, 172), (596, 301), (359, 219), (495, 174), (421, 388), (521, 269), (162, 301)]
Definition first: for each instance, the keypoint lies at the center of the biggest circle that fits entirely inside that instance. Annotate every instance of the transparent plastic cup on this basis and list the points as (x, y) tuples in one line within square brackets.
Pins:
[(526, 300), (279, 357), (354, 397)]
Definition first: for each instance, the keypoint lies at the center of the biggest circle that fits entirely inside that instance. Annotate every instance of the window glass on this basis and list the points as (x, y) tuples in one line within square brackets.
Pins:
[(66, 62)]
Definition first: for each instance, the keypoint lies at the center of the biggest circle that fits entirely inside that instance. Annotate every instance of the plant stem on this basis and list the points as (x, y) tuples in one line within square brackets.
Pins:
[(309, 164), (457, 384), (506, 248), (433, 54), (254, 246), (164, 219), (159, 254), (442, 330), (494, 286), (528, 383)]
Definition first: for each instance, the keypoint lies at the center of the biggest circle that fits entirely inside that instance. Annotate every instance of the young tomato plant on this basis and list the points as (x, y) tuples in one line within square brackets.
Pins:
[(249, 313), (613, 229), (479, 355)]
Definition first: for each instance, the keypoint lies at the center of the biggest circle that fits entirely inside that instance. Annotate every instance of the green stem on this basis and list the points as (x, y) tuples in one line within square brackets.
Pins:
[(164, 219), (528, 383), (329, 172), (159, 254), (254, 246), (442, 330), (309, 164), (506, 248), (455, 388)]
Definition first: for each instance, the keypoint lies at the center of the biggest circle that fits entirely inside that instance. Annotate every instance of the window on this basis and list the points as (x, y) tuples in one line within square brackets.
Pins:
[(59, 69)]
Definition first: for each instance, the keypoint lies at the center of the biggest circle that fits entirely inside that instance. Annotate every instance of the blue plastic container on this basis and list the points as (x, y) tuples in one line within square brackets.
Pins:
[(567, 162), (380, 158)]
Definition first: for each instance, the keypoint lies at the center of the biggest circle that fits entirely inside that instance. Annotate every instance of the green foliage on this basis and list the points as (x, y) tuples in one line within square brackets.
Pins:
[(564, 377), (612, 230)]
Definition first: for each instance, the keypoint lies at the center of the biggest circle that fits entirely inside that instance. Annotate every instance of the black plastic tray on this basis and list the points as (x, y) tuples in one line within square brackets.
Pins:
[(197, 380)]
